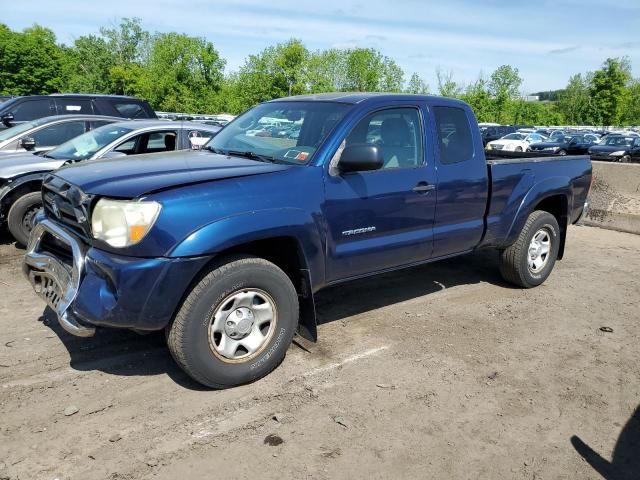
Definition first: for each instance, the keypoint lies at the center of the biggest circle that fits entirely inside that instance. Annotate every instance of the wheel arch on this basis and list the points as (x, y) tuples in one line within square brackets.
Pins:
[(293, 246), (18, 187), (552, 195)]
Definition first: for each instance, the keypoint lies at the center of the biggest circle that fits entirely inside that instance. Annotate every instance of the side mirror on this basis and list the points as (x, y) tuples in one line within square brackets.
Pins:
[(28, 143), (7, 118), (360, 158)]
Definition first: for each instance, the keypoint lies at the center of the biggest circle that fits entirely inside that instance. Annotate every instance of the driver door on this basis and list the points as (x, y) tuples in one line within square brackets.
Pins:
[(381, 219)]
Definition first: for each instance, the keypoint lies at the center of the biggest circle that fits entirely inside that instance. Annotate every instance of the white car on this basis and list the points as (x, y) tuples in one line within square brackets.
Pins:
[(515, 142)]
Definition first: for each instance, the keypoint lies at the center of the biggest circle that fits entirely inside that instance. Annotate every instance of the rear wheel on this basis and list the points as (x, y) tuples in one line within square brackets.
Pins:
[(236, 324), (21, 215), (518, 149), (530, 260)]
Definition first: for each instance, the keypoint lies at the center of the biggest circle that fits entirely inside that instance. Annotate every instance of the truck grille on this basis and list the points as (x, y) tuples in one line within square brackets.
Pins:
[(67, 204)]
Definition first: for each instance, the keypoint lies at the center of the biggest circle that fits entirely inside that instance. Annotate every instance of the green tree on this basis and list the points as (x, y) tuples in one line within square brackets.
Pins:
[(326, 71), (609, 90), (574, 100), (90, 61), (631, 109), (477, 95), (447, 86), (30, 61), (417, 85), (182, 73), (504, 86)]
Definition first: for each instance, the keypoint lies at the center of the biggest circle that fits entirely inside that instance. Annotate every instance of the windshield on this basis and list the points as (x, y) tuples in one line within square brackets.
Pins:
[(17, 130), (283, 132), (87, 144), (619, 141), (514, 136)]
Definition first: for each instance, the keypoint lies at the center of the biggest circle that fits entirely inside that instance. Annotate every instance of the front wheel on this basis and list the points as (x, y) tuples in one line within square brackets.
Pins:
[(21, 215), (530, 260), (625, 159), (562, 153), (519, 149), (236, 324)]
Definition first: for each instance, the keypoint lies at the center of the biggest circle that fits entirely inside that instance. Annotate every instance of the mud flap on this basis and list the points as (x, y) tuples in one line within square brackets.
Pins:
[(307, 322)]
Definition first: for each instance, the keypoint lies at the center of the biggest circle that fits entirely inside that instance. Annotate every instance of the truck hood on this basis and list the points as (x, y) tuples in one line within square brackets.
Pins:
[(131, 177), (17, 164)]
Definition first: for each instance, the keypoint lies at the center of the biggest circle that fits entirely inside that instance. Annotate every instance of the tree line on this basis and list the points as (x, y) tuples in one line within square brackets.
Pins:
[(182, 73)]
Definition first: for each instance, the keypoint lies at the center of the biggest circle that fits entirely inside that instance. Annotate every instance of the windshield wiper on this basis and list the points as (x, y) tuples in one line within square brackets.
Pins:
[(246, 154)]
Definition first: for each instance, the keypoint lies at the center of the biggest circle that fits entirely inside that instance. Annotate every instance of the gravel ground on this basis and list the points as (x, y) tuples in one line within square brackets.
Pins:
[(442, 371)]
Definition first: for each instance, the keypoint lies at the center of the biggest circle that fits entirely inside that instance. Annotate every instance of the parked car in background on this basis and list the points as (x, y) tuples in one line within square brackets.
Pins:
[(515, 142), (617, 148), (494, 133), (568, 144), (21, 174), (46, 133), (226, 247), (18, 110)]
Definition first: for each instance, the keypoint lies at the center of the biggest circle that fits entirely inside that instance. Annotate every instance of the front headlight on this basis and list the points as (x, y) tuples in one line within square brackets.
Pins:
[(122, 223), (619, 153)]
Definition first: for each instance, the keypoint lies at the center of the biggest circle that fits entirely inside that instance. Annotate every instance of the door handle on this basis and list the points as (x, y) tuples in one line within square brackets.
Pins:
[(423, 187)]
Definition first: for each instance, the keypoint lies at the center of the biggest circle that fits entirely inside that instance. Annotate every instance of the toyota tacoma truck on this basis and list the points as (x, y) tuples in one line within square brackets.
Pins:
[(224, 248)]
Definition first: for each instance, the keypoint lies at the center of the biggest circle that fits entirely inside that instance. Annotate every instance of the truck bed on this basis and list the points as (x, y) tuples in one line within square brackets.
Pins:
[(517, 181)]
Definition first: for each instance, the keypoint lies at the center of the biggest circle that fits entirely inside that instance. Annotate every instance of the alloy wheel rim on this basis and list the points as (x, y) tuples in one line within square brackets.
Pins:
[(539, 250)]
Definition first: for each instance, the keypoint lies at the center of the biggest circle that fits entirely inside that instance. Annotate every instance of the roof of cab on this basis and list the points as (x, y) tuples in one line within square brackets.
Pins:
[(360, 97)]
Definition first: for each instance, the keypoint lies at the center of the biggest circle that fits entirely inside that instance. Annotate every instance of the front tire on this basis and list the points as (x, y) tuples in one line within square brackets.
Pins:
[(562, 153), (530, 260), (236, 324), (625, 159), (21, 214)]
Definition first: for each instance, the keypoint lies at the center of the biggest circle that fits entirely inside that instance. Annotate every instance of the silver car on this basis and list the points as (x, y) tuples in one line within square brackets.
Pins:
[(21, 174), (46, 133)]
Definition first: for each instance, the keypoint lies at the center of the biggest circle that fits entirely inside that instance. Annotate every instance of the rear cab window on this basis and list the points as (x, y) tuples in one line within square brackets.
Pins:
[(454, 135)]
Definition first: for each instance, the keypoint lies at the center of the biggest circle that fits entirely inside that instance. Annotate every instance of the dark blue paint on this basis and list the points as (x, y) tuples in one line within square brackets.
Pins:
[(211, 203)]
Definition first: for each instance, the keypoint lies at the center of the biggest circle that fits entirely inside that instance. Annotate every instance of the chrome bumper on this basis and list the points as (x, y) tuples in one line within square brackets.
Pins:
[(53, 280)]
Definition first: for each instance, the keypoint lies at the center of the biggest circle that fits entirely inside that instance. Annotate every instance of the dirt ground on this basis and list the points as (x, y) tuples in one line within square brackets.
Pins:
[(442, 371)]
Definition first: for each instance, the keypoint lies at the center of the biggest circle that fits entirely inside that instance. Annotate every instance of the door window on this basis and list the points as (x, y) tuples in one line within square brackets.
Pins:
[(70, 106), (454, 135), (398, 134), (57, 134), (31, 110), (152, 142)]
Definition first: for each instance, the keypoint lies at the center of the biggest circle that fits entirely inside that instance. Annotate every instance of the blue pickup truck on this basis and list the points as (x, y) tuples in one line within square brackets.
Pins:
[(224, 248)]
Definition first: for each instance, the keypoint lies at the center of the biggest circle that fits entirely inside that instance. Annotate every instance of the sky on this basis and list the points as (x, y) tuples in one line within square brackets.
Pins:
[(548, 41)]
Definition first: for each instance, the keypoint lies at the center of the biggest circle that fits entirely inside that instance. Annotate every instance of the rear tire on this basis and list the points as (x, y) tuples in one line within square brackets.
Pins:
[(518, 149), (220, 336), (21, 213), (524, 263)]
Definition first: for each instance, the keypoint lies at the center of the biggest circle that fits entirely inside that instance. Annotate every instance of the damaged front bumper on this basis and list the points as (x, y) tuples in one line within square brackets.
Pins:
[(88, 287), (55, 280)]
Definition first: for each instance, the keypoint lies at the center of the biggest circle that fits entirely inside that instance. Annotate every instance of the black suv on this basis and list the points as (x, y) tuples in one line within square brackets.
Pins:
[(15, 111)]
